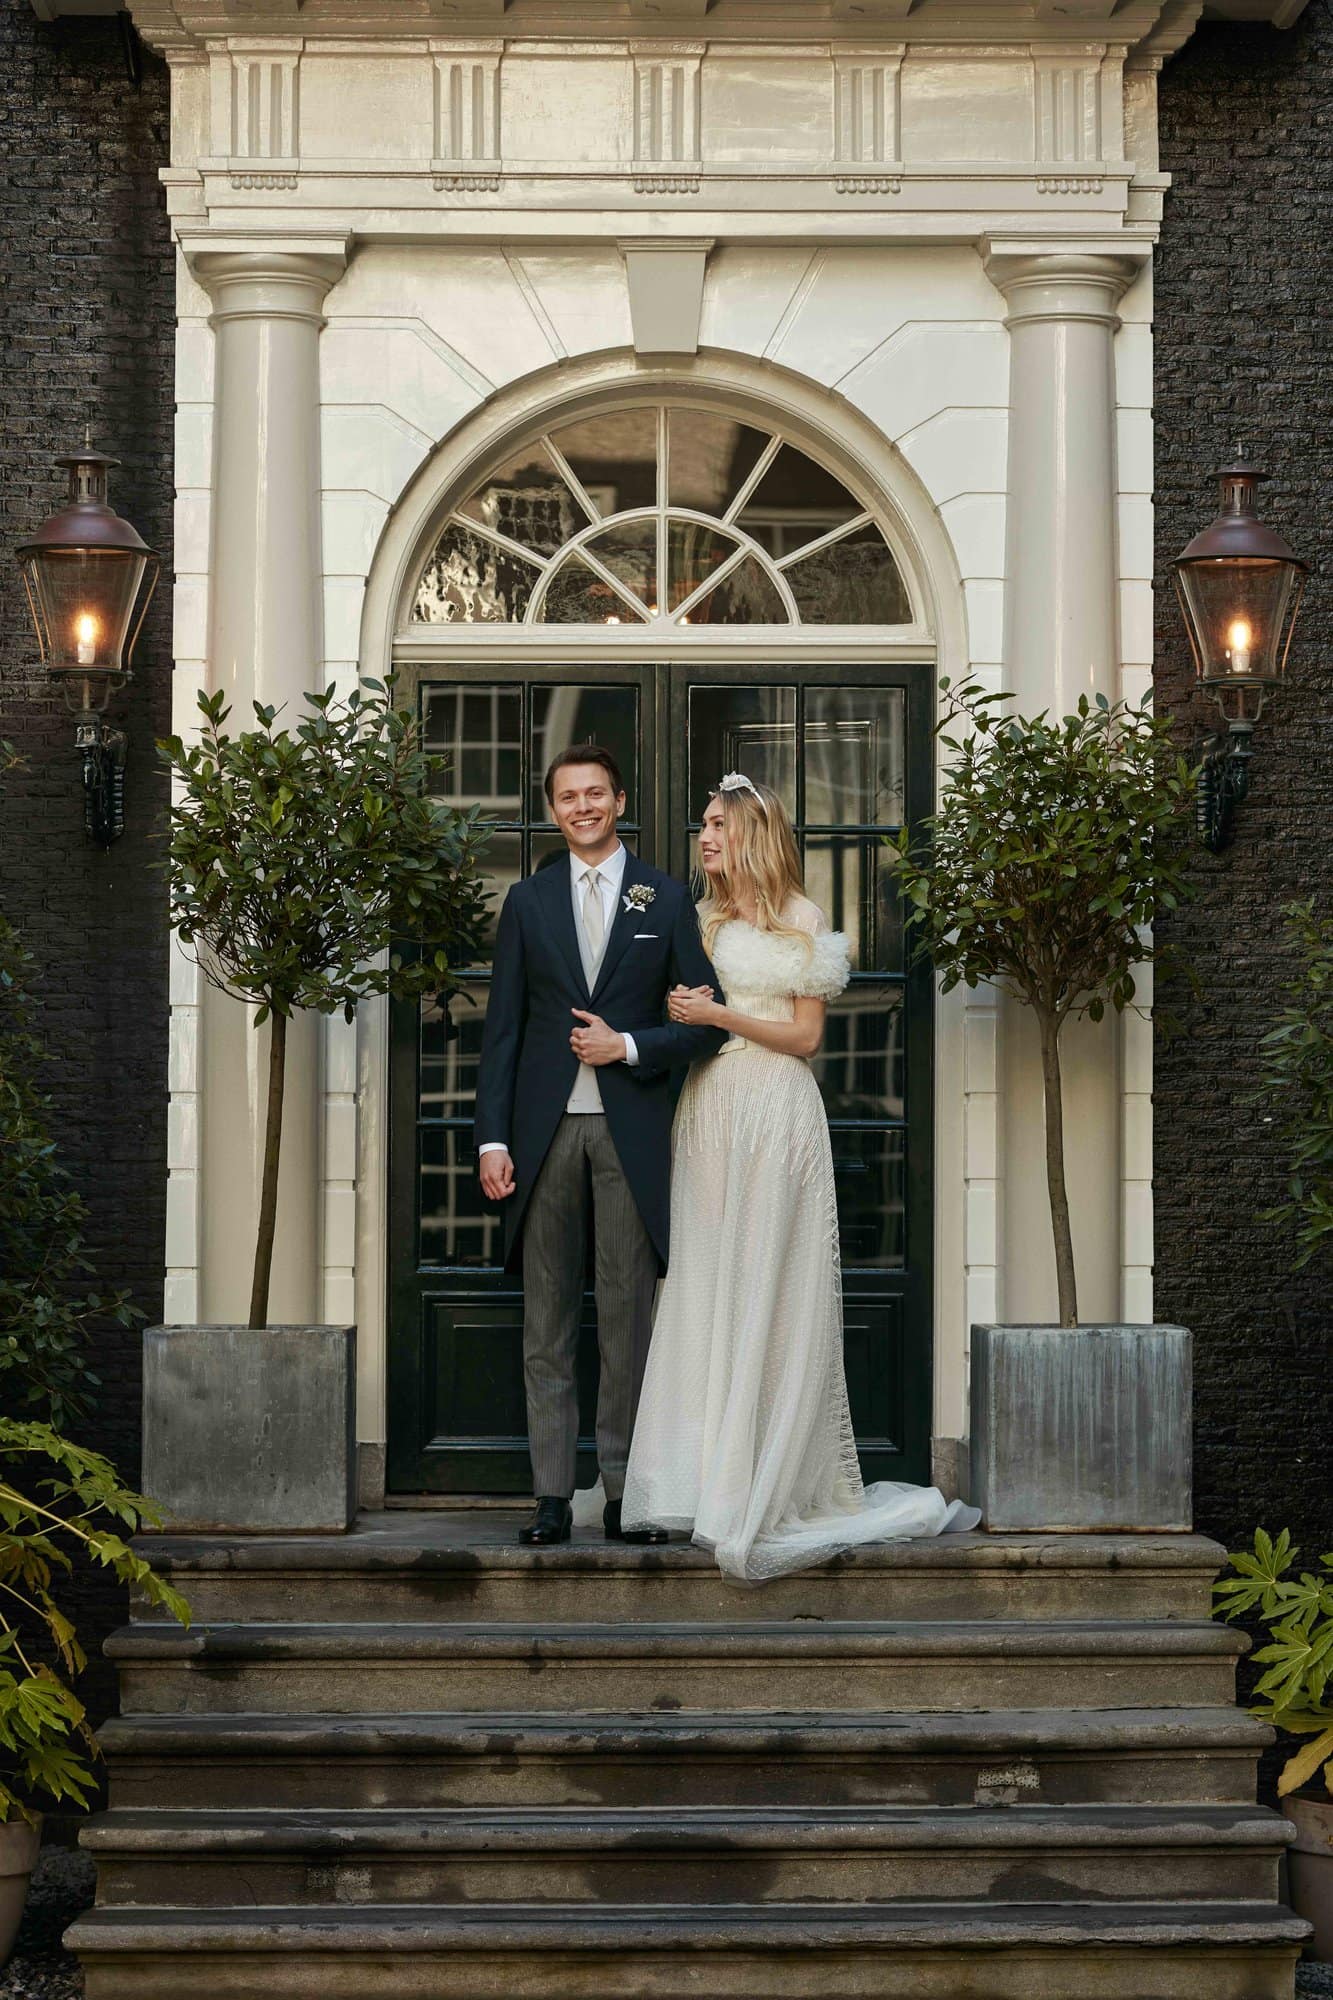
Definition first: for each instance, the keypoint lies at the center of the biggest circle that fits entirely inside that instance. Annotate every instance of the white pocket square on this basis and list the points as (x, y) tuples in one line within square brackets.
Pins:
[(646, 937)]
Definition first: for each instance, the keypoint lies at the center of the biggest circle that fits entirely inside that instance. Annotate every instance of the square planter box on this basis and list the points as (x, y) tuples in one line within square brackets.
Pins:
[(250, 1430), (1082, 1428)]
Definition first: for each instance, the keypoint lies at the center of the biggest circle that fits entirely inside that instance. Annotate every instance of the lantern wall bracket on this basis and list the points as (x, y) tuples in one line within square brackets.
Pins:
[(1223, 784), (103, 751)]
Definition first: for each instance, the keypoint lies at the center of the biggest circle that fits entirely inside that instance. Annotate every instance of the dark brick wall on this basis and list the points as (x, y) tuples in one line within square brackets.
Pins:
[(88, 277), (1244, 276)]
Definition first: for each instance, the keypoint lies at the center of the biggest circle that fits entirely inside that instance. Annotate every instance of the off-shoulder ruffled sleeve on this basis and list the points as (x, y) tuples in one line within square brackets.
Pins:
[(829, 967)]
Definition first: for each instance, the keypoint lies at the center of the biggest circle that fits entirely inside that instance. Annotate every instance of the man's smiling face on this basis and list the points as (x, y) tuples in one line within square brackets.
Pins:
[(586, 808)]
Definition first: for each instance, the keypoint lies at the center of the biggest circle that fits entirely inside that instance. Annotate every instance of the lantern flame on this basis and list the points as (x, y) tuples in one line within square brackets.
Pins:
[(1240, 635)]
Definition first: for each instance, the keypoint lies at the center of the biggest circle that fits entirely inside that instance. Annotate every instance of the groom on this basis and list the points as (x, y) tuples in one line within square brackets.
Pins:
[(573, 1093)]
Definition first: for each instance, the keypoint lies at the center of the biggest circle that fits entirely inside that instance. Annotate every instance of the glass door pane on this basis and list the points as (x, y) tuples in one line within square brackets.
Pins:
[(456, 1315), (835, 743)]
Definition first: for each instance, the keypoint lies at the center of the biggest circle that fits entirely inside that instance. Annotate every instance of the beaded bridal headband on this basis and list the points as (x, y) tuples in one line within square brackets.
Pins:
[(736, 781)]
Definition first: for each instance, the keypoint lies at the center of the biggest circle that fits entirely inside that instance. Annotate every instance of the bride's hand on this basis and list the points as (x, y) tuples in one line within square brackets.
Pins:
[(692, 1006)]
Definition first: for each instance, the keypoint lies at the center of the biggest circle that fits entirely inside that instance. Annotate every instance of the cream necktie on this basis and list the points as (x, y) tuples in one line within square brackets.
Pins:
[(594, 923)]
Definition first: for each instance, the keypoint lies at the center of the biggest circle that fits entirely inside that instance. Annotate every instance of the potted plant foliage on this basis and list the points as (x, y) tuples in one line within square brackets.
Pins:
[(309, 868), (1293, 1695), (59, 1505), (1055, 845)]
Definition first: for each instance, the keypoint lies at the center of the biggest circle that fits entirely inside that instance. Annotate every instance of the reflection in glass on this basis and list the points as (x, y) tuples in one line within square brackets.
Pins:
[(577, 596), (526, 499), (868, 1170), (745, 596), (471, 581), (614, 458), (693, 553), (854, 581), (861, 1066), (451, 1032), (710, 459), (795, 502), (478, 731), (630, 552), (850, 880), (855, 747), (750, 729), (457, 1225), (562, 716), (502, 866)]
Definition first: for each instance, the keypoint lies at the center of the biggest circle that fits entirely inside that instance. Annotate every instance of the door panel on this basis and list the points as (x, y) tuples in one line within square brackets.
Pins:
[(847, 747)]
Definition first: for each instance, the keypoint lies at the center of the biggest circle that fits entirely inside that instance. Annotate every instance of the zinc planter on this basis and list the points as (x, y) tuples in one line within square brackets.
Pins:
[(1082, 1429), (251, 1430), (19, 1843), (1310, 1868)]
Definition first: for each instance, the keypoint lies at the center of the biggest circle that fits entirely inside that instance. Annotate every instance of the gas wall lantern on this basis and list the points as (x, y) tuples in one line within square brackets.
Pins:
[(1240, 589), (83, 570)]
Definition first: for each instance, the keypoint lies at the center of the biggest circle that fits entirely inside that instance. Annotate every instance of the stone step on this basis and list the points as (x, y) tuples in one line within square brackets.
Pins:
[(1132, 1756), (953, 1665), (722, 1855), (451, 1565), (932, 1951)]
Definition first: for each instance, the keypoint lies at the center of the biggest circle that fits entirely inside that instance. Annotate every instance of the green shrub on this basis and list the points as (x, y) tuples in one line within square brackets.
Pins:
[(46, 1301), (59, 1505), (1298, 1611)]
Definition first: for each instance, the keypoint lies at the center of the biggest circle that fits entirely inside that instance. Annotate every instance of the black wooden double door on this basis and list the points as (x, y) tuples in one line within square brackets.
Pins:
[(847, 747)]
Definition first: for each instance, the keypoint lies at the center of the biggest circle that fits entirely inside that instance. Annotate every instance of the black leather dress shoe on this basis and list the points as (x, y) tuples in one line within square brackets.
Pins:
[(551, 1522), (648, 1537)]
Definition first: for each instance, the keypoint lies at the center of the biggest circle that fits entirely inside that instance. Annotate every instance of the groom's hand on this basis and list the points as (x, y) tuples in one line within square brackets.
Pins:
[(594, 1042), (497, 1175)]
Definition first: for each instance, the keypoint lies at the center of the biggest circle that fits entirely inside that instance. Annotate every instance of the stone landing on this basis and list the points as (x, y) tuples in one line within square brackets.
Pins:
[(421, 1761)]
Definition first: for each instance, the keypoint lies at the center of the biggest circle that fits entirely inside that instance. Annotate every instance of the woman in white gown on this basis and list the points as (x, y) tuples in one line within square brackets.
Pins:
[(743, 1436)]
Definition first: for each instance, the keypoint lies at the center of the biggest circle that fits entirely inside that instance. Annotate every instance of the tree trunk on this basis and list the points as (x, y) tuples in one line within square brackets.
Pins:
[(1049, 1026), (268, 1195)]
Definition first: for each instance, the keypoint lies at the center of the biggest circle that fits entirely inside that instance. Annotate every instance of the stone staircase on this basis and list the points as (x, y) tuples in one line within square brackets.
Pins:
[(421, 1761)]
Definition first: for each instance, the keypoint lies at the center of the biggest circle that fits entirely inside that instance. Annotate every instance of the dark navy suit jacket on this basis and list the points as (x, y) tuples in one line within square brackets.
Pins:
[(527, 1066)]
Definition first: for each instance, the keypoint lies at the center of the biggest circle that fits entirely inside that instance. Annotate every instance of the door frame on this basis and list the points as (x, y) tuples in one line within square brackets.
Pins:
[(905, 661)]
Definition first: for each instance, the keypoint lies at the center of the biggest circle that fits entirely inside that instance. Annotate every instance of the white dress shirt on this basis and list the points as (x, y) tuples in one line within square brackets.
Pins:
[(585, 1098)]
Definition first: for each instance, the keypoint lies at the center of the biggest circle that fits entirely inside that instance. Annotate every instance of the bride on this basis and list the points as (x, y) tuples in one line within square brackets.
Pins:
[(743, 1436)]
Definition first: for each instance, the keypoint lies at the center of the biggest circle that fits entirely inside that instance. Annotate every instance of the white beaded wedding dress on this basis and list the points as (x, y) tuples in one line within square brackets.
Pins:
[(744, 1437)]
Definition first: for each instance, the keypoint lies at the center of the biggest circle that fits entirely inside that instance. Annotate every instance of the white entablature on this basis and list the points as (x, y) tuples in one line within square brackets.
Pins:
[(858, 120)]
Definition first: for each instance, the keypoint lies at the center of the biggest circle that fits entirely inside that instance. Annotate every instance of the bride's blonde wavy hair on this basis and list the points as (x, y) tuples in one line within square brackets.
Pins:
[(761, 864)]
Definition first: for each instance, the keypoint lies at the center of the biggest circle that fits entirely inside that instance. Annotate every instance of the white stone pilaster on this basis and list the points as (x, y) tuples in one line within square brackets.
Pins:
[(264, 645), (1061, 642)]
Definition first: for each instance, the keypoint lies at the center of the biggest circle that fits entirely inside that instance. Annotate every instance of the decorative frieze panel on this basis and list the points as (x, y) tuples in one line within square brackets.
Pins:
[(668, 138), (466, 151), (1068, 104), (867, 105), (257, 111)]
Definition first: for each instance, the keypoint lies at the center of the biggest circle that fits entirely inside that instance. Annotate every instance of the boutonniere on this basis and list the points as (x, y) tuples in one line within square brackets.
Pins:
[(639, 896)]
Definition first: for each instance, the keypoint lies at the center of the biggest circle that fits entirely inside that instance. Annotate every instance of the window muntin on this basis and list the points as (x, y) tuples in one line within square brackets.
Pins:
[(672, 514)]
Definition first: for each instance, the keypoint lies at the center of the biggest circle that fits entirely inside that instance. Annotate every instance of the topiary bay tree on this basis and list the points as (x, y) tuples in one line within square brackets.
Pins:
[(1055, 846), (310, 868)]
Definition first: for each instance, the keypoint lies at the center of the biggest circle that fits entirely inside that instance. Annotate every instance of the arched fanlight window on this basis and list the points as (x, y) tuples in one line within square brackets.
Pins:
[(670, 514)]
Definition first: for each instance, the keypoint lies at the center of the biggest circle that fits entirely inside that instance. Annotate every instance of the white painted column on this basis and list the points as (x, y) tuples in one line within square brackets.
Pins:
[(263, 645), (1061, 641)]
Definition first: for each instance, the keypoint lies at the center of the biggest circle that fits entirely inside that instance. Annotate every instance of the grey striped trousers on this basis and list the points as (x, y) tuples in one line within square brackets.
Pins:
[(583, 1159)]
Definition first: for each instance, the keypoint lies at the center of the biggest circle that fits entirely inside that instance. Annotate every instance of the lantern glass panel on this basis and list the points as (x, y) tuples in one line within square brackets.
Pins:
[(1239, 610), (84, 599)]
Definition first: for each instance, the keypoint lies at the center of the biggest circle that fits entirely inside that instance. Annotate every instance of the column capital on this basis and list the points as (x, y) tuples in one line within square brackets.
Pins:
[(267, 277), (1065, 282)]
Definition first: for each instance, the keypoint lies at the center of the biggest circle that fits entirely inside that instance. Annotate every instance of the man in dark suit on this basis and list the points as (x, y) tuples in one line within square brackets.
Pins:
[(574, 1091)]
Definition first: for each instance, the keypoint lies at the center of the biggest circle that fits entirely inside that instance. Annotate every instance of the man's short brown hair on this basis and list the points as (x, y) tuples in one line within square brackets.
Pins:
[(584, 753)]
